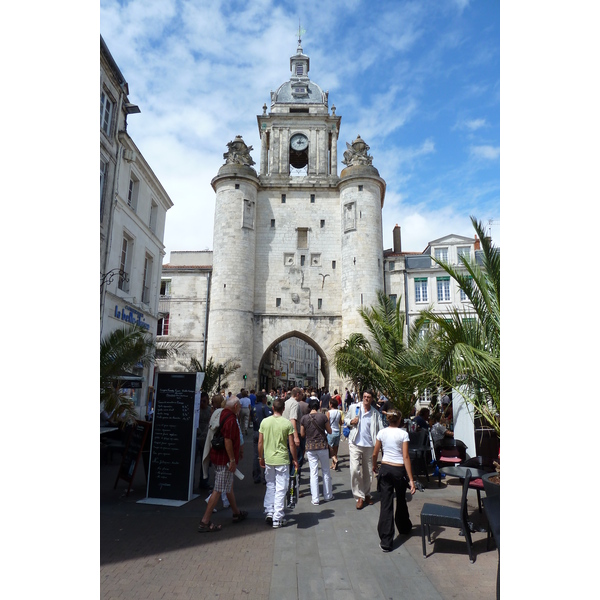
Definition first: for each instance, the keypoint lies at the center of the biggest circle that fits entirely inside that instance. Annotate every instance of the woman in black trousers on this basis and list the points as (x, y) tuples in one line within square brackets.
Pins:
[(392, 477)]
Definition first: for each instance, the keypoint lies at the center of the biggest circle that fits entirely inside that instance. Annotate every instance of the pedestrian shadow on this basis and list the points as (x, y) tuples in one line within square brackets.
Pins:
[(306, 520)]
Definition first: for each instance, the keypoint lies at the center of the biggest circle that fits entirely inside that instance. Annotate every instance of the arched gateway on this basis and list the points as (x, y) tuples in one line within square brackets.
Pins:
[(266, 375), (297, 248)]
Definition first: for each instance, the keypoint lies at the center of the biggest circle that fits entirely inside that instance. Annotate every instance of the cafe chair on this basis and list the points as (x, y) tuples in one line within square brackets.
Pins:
[(477, 483), (438, 515), (418, 447), (449, 452)]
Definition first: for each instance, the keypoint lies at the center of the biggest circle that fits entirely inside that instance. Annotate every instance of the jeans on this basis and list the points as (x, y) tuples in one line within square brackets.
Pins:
[(277, 477), (314, 458), (391, 479)]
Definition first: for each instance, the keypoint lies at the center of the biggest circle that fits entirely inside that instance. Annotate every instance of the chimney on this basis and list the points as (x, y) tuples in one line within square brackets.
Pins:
[(477, 243), (397, 243)]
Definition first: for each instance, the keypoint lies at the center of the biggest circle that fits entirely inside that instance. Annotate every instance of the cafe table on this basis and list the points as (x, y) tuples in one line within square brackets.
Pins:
[(107, 429), (458, 471)]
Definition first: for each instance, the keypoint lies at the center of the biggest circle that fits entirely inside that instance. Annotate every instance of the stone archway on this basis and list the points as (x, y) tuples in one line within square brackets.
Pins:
[(263, 368)]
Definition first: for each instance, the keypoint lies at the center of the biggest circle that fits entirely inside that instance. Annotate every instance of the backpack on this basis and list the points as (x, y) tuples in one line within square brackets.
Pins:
[(218, 441)]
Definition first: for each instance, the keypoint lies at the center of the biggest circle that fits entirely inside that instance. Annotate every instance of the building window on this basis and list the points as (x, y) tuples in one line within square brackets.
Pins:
[(163, 325), (272, 222), (349, 216), (423, 330), (302, 237), (125, 264), (421, 289), (299, 70), (322, 223), (392, 265), (312, 198), (147, 279), (132, 192), (248, 217), (103, 174), (282, 198), (463, 296), (237, 186), (333, 264), (441, 254), (443, 289), (153, 216), (320, 303), (302, 260), (165, 287), (106, 110), (277, 302), (360, 188), (394, 299), (464, 251)]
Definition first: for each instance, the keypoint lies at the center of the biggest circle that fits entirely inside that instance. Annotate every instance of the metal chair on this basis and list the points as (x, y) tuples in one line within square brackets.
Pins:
[(449, 452), (448, 516), (418, 448)]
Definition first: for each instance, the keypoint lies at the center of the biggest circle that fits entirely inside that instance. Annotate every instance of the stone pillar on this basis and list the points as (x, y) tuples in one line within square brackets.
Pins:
[(334, 140), (264, 154)]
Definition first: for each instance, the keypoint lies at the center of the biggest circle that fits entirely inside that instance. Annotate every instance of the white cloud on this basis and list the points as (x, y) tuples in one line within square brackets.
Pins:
[(485, 152)]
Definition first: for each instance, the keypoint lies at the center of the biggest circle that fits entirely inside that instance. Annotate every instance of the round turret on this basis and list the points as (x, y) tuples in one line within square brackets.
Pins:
[(232, 286), (362, 193)]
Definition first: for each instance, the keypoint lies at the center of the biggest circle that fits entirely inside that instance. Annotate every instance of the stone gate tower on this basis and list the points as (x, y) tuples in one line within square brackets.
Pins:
[(298, 249)]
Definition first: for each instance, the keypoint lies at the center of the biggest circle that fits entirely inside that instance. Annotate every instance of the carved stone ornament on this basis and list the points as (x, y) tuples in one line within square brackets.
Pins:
[(238, 153), (356, 154)]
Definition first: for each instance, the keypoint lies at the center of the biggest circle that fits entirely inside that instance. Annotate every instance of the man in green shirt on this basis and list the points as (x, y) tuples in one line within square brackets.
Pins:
[(275, 434)]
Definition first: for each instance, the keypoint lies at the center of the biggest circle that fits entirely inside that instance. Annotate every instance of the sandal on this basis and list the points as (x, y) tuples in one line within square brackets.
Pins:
[(209, 527), (240, 516)]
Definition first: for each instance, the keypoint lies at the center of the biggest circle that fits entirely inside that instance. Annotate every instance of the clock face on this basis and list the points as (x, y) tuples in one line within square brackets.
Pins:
[(299, 142)]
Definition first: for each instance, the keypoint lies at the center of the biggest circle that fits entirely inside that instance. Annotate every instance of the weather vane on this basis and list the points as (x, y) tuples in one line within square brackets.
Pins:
[(300, 31)]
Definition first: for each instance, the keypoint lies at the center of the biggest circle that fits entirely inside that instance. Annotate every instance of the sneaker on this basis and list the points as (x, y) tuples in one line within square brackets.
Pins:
[(281, 523), (269, 519), (314, 503), (384, 548)]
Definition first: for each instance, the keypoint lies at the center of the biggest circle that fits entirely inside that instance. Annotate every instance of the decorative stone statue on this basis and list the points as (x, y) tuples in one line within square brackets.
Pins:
[(356, 154), (238, 153)]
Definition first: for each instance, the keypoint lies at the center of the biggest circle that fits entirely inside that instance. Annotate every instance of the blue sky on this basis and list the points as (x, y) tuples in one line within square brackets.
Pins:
[(418, 81)]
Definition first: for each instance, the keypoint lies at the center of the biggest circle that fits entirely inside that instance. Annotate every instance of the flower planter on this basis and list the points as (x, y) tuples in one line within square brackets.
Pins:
[(491, 483)]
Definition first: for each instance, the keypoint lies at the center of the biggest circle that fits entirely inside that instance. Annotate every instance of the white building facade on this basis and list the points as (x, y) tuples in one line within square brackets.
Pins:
[(183, 309), (133, 207)]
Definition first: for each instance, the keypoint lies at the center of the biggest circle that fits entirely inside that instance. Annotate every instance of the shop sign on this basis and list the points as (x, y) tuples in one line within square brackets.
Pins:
[(131, 315)]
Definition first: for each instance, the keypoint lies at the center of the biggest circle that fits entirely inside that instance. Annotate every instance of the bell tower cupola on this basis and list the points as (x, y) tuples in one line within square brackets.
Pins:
[(299, 135)]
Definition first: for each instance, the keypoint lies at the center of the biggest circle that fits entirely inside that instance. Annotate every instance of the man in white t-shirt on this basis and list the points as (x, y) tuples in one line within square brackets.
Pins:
[(365, 423)]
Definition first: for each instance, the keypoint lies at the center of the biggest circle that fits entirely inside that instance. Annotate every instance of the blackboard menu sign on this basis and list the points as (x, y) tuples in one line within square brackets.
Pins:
[(173, 437), (133, 450)]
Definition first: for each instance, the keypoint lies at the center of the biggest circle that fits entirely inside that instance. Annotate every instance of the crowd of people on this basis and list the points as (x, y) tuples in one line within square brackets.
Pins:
[(295, 427)]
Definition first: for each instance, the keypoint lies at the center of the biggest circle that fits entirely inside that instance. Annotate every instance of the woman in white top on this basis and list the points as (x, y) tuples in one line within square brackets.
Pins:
[(333, 439), (395, 466)]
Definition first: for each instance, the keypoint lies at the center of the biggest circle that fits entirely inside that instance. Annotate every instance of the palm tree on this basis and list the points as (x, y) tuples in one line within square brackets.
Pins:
[(461, 351), (374, 364), (215, 374), (121, 351)]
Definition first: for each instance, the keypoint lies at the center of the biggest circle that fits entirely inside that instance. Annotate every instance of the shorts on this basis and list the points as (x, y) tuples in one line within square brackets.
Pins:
[(223, 479), (333, 439)]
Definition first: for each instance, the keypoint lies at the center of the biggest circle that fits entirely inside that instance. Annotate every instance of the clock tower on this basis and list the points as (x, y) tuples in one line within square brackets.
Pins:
[(298, 249)]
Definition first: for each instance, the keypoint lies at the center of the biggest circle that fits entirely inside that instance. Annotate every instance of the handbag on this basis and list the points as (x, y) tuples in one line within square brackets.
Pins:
[(317, 444)]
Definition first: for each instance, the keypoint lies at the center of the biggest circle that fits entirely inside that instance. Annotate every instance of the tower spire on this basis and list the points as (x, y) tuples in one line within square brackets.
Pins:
[(300, 32)]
